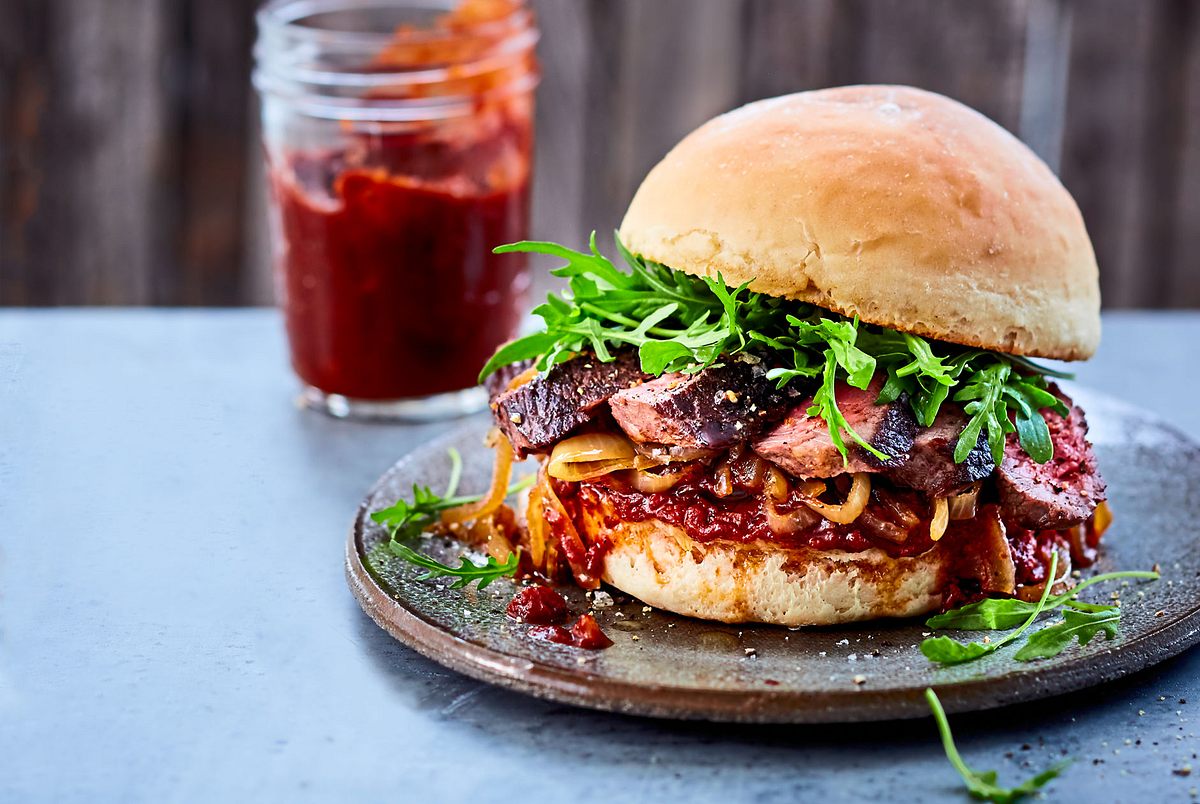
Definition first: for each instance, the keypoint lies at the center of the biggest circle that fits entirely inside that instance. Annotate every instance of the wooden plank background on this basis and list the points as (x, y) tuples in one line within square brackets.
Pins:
[(130, 171)]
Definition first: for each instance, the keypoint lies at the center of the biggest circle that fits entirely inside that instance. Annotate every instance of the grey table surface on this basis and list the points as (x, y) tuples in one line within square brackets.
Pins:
[(174, 623)]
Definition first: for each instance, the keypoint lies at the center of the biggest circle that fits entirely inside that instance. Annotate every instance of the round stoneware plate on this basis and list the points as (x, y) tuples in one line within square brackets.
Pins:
[(668, 666)]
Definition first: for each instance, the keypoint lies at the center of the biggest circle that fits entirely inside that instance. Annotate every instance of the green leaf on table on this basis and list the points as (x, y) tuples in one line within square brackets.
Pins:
[(982, 784)]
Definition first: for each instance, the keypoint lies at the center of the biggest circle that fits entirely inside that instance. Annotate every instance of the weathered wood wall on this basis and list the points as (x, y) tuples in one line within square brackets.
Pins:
[(129, 172)]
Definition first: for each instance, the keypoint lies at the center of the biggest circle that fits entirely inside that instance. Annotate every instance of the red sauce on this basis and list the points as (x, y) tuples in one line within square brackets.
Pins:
[(538, 605), (586, 634), (742, 517), (551, 633), (389, 286), (1032, 550)]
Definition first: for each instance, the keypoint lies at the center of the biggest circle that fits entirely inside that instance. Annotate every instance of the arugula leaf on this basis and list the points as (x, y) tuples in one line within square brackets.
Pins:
[(945, 650), (465, 573), (1080, 620), (528, 348), (824, 404), (989, 614), (406, 520), (982, 784), (1000, 614), (1076, 624), (684, 323), (984, 394)]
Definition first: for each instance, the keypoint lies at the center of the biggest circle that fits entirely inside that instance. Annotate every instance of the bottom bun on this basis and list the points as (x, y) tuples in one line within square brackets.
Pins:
[(766, 582)]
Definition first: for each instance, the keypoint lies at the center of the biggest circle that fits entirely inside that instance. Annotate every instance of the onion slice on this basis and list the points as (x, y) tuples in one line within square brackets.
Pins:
[(782, 524), (941, 518), (1101, 519), (590, 455), (536, 526), (522, 378), (847, 512), (963, 505), (650, 483), (498, 491), (559, 524)]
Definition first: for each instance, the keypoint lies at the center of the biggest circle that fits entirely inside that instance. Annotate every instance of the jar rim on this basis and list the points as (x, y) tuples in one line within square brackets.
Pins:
[(285, 65), (286, 16)]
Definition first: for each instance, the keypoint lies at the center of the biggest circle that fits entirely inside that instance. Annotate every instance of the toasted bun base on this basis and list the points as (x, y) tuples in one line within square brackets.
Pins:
[(737, 583), (764, 582), (897, 205)]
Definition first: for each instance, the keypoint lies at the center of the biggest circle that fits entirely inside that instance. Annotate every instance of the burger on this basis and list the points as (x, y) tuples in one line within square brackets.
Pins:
[(806, 392)]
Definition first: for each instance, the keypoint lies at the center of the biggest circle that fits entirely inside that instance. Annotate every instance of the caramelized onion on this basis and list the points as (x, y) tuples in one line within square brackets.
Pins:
[(723, 486), (750, 471), (498, 491), (907, 516), (1101, 519), (777, 485), (782, 524), (941, 517), (559, 524), (870, 521), (657, 454), (963, 504), (590, 455), (536, 525), (847, 512), (651, 483), (498, 545), (522, 378)]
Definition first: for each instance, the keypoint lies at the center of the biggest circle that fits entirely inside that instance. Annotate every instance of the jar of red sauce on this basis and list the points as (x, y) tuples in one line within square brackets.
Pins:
[(398, 140)]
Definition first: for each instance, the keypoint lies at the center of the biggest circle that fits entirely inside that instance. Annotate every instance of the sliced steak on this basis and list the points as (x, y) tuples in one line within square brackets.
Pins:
[(930, 466), (537, 414), (498, 381), (711, 410), (801, 446), (1059, 493)]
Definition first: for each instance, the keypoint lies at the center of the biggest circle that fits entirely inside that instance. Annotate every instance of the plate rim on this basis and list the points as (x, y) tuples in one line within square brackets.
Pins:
[(581, 687)]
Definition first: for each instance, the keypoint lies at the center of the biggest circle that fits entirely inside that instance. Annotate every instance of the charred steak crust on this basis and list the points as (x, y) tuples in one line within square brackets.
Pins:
[(537, 414), (713, 409), (802, 446), (930, 466), (1060, 493), (497, 382), (894, 437)]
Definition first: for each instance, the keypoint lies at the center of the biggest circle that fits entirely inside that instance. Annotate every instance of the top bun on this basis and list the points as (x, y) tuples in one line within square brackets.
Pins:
[(897, 205)]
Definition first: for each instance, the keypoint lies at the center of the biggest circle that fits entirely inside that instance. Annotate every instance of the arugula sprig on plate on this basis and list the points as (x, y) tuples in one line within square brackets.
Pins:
[(405, 520), (982, 784), (684, 323), (1080, 622)]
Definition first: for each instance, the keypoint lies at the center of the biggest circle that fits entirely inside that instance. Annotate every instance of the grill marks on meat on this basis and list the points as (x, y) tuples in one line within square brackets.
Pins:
[(711, 410), (930, 466), (1057, 494), (539, 413), (801, 444)]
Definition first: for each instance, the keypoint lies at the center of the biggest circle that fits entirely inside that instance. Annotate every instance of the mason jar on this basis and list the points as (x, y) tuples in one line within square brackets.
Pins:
[(398, 140)]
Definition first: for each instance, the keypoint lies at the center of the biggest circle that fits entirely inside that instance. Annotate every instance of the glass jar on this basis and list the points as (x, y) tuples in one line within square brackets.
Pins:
[(399, 142)]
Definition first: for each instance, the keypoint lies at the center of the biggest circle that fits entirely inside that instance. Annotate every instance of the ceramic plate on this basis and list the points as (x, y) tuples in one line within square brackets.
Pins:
[(667, 666)]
